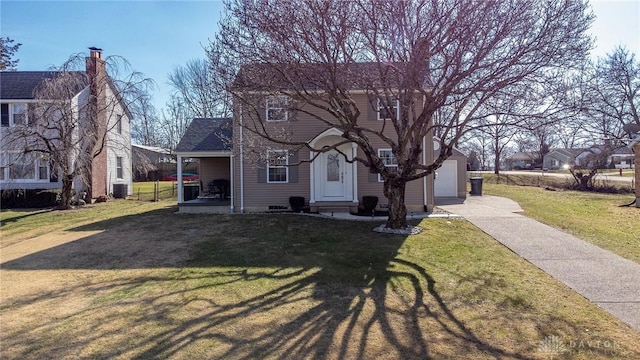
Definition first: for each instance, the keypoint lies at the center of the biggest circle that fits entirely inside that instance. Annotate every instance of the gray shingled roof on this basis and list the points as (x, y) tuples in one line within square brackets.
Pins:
[(20, 85), (207, 135), (310, 76)]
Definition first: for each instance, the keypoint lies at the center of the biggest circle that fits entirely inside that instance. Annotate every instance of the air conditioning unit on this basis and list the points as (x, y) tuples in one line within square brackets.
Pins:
[(120, 191)]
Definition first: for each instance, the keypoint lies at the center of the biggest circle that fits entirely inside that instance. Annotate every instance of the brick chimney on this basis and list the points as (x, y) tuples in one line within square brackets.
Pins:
[(97, 73)]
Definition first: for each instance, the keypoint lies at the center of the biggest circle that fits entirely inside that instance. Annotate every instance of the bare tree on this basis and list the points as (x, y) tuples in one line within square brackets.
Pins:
[(7, 51), (146, 129), (612, 95), (429, 55), (174, 122), (71, 118), (194, 85)]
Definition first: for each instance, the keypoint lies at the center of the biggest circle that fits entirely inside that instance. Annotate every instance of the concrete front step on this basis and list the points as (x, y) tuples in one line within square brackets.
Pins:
[(334, 207)]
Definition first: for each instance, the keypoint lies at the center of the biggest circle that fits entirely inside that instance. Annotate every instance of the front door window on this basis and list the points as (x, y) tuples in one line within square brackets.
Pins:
[(333, 167)]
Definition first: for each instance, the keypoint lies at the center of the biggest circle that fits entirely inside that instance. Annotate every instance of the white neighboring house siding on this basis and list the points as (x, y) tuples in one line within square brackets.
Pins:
[(8, 183), (118, 145)]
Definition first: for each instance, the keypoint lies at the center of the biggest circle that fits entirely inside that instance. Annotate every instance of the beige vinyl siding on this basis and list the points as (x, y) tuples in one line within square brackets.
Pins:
[(214, 168), (303, 127), (259, 196)]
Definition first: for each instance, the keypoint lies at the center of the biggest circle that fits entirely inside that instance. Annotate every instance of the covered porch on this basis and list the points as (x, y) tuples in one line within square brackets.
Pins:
[(208, 142)]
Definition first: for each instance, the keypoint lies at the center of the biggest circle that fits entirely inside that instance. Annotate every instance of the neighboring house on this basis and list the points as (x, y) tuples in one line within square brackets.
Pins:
[(561, 158), (621, 158), (264, 175), (521, 160), (110, 171), (151, 163)]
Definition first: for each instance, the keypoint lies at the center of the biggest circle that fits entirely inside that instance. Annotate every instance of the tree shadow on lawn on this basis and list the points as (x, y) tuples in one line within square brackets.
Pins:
[(254, 286)]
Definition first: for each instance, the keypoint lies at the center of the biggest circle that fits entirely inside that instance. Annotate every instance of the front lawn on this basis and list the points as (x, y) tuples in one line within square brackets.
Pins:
[(594, 217), (147, 283)]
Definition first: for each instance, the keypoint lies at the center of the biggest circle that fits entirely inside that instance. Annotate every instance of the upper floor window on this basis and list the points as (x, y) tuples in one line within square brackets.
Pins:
[(13, 114), (389, 161), (386, 109), (277, 108), (277, 166)]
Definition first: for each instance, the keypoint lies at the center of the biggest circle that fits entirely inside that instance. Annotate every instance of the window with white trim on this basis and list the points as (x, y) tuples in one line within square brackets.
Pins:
[(277, 108), (43, 169), (277, 166), (119, 168), (386, 110), (389, 160), (13, 114)]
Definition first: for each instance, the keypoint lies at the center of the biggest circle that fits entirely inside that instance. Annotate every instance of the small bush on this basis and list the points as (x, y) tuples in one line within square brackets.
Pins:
[(297, 203), (12, 199), (369, 203)]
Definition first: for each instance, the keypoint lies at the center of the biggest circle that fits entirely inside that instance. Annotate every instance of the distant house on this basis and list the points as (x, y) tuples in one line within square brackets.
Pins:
[(561, 158), (619, 158), (521, 160), (622, 158), (110, 171), (151, 162)]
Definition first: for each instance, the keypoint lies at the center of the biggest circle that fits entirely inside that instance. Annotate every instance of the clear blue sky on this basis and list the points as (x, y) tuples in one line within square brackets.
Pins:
[(156, 36)]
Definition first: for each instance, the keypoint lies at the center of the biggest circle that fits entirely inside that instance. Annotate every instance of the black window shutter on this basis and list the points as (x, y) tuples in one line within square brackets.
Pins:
[(4, 114)]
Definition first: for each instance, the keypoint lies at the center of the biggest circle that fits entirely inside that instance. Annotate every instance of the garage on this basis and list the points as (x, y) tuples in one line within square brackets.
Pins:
[(446, 181)]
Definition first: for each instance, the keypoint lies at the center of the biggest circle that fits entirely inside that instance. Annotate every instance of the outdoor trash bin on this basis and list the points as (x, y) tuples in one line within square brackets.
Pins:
[(476, 186)]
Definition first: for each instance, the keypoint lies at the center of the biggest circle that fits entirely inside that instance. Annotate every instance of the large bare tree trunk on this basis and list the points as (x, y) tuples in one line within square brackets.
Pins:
[(394, 192), (65, 194)]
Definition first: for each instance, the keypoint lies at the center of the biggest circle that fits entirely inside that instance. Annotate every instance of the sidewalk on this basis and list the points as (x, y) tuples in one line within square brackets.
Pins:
[(604, 278)]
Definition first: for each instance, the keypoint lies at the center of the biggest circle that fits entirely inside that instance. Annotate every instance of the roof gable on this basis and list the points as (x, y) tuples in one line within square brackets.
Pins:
[(207, 134)]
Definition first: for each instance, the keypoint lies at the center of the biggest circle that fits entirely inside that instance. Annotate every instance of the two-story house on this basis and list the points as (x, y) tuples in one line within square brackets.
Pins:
[(108, 173), (264, 174)]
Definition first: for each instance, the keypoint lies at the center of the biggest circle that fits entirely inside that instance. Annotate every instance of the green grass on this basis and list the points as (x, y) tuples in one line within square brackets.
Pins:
[(145, 190), (18, 224), (138, 281), (594, 217)]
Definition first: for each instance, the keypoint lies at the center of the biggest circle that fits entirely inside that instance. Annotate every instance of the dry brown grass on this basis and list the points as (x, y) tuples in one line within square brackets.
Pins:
[(154, 284)]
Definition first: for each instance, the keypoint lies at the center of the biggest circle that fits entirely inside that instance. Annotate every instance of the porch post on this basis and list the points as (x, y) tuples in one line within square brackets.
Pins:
[(354, 172), (180, 189), (312, 189)]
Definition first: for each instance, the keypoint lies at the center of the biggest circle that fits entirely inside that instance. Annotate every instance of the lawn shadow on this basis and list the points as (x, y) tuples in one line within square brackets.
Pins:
[(327, 294)]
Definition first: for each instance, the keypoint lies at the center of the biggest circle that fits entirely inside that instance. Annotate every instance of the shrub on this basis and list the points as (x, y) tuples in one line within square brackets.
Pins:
[(297, 203), (29, 198), (369, 203)]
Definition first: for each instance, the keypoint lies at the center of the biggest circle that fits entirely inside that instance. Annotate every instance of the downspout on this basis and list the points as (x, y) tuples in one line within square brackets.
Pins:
[(180, 189), (241, 165), (424, 178)]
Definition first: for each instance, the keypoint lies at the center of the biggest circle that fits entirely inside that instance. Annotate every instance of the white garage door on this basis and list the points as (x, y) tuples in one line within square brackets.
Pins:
[(446, 183)]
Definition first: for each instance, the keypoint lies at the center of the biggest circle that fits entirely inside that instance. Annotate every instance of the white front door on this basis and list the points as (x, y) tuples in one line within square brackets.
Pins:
[(333, 176)]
